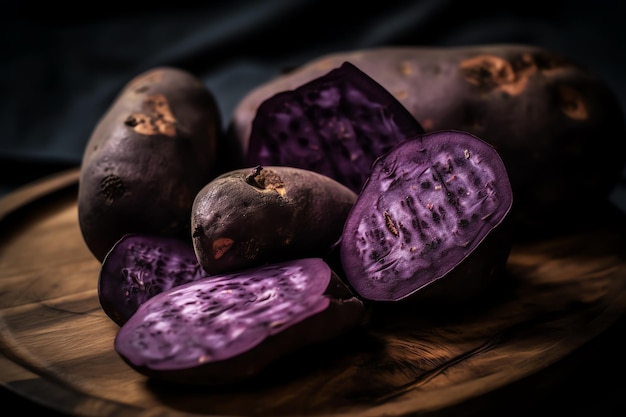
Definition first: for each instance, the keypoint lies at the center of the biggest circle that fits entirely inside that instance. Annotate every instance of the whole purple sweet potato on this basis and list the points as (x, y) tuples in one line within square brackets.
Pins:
[(138, 267), (252, 216), (147, 158), (428, 222), (557, 125), (336, 125), (227, 328)]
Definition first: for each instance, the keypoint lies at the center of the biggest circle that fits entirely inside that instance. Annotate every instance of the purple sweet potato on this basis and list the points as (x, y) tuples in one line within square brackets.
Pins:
[(147, 158), (336, 125), (225, 329), (427, 223), (252, 216), (138, 267), (556, 124)]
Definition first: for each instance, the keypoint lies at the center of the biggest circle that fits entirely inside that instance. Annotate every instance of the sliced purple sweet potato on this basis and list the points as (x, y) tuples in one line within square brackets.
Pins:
[(427, 221), (140, 266), (227, 328), (336, 125)]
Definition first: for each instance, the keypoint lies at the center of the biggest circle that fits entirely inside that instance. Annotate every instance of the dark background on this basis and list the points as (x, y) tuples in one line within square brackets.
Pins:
[(61, 66)]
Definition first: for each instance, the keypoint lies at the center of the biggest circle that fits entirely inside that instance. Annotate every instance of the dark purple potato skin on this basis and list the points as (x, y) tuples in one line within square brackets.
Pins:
[(336, 124), (248, 217), (427, 223), (538, 108), (138, 267), (227, 328), (147, 158)]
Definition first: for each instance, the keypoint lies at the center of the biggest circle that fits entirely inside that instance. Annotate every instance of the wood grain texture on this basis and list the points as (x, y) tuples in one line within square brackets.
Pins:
[(57, 344)]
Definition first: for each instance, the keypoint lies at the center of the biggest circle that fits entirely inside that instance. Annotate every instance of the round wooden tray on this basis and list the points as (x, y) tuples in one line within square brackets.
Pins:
[(57, 343)]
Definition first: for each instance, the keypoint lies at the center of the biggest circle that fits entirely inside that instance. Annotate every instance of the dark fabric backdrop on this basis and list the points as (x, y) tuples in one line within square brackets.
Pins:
[(62, 66)]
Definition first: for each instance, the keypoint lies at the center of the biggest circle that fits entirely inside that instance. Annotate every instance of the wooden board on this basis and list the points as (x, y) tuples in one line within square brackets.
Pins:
[(56, 343)]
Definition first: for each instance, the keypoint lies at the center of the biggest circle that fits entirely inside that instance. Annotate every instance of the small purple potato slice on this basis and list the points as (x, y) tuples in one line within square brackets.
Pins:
[(227, 328), (138, 267), (336, 124), (428, 212), (252, 216)]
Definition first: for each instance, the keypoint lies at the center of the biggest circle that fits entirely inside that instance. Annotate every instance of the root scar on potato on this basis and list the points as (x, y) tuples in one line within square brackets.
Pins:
[(221, 246), (113, 188), (571, 103), (494, 72), (159, 119), (266, 180)]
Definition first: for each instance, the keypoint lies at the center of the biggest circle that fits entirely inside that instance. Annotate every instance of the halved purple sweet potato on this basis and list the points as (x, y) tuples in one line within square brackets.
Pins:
[(336, 125), (251, 216), (227, 328), (427, 222), (138, 267)]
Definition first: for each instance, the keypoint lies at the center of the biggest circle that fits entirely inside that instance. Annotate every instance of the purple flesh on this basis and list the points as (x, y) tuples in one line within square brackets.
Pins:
[(187, 333), (428, 204), (140, 266), (336, 125)]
